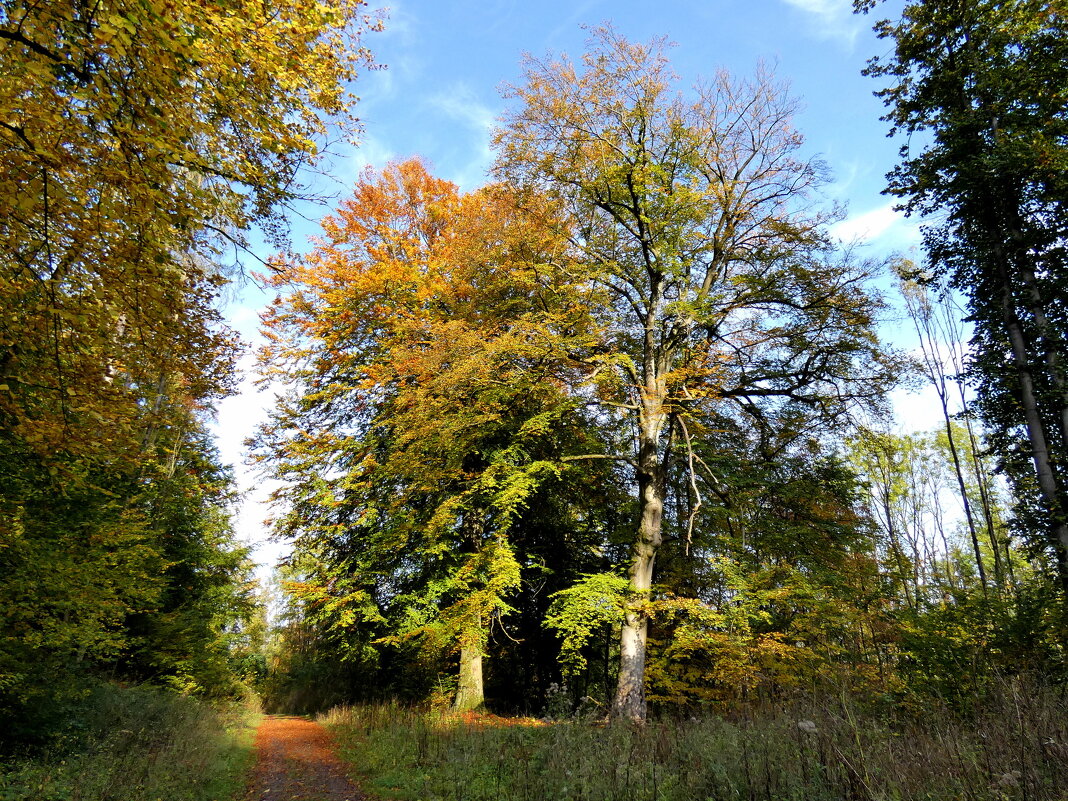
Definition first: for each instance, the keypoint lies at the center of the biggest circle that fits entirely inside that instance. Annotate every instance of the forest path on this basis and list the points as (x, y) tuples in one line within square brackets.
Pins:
[(296, 761)]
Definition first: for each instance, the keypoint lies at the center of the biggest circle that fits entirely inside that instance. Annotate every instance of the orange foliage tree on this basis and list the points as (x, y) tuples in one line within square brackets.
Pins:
[(422, 343)]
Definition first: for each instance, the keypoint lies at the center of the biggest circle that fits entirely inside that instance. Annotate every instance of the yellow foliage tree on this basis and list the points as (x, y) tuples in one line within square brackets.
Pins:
[(140, 141)]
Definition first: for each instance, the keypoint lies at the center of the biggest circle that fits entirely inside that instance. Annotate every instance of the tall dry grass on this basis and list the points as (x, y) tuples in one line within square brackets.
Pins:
[(1015, 746)]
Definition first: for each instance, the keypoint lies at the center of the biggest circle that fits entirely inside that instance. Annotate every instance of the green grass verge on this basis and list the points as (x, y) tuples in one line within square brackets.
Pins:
[(1017, 748), (140, 744)]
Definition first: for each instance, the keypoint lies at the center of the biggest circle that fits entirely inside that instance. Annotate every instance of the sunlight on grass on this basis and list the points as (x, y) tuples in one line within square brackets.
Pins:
[(824, 751), (140, 744)]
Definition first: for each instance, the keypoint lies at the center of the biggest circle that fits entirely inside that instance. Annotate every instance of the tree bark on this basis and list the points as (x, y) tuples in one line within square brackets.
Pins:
[(469, 690), (1048, 485), (630, 691), (1051, 485)]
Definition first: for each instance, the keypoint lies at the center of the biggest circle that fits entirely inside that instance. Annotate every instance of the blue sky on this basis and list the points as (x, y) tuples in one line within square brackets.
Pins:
[(439, 95), (445, 62)]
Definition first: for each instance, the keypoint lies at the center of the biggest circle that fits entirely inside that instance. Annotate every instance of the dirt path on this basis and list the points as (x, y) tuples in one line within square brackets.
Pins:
[(295, 761)]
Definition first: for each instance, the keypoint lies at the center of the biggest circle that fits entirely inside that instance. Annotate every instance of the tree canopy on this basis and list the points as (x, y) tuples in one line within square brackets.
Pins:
[(648, 287), (140, 142), (984, 81)]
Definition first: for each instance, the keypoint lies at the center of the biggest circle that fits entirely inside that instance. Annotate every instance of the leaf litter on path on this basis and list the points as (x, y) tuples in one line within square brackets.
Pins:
[(296, 761)]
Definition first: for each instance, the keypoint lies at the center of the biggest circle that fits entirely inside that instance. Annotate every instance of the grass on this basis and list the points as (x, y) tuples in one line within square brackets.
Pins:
[(1015, 748), (139, 744)]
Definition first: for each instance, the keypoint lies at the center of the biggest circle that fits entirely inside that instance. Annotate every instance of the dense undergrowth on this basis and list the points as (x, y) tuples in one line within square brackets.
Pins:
[(137, 744), (1013, 746)]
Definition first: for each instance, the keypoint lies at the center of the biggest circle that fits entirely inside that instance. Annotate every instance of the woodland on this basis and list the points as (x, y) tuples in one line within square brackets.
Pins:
[(589, 469)]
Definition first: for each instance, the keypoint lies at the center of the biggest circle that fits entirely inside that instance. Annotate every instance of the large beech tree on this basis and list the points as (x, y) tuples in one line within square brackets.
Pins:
[(695, 214), (420, 343), (986, 81)]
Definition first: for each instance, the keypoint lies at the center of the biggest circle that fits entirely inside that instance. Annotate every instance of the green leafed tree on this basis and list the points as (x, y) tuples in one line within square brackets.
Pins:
[(983, 82), (696, 215)]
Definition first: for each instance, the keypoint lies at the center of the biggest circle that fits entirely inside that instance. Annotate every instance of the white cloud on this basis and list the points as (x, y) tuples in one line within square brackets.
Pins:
[(869, 225), (822, 7), (882, 223), (461, 104), (916, 410), (831, 19), (238, 417)]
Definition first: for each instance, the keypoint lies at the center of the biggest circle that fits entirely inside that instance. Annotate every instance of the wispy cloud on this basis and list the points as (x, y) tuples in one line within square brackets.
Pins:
[(370, 152), (398, 21), (831, 19), (882, 223), (461, 104)]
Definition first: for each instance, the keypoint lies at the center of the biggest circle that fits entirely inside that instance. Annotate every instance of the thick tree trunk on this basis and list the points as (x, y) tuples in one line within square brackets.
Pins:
[(469, 691), (1050, 346), (1051, 486), (630, 691)]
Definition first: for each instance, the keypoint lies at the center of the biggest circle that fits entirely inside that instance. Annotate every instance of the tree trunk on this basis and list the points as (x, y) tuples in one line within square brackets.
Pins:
[(1048, 484), (927, 329), (469, 691), (630, 691), (958, 470)]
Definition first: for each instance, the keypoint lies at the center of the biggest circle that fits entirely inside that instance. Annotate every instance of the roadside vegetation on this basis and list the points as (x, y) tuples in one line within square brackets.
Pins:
[(1012, 745), (138, 744)]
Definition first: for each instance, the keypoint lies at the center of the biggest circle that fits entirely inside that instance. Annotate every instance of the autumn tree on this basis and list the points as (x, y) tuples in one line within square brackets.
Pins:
[(140, 142), (420, 346), (983, 80), (695, 214)]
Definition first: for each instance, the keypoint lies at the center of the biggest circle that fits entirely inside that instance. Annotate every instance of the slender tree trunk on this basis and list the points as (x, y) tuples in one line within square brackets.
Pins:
[(1047, 480), (469, 690), (952, 336), (958, 470), (895, 542), (923, 319), (982, 483)]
